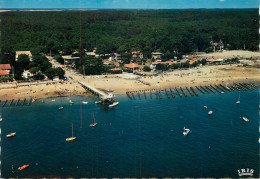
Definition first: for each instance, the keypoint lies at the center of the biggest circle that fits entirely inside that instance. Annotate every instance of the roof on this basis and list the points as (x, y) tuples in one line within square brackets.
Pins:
[(69, 57), (135, 52), (131, 65), (17, 53), (116, 69), (5, 67), (3, 73), (156, 53)]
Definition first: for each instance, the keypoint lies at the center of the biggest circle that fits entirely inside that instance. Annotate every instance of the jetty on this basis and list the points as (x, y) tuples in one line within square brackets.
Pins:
[(104, 97)]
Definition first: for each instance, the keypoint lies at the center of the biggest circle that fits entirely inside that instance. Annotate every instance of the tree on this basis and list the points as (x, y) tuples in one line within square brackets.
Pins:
[(23, 61), (34, 70), (146, 68), (60, 72), (50, 73), (162, 67), (59, 59), (203, 62), (92, 66)]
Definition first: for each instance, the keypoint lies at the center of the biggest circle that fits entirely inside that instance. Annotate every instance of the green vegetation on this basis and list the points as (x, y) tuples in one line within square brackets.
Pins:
[(146, 68), (172, 32), (6, 79)]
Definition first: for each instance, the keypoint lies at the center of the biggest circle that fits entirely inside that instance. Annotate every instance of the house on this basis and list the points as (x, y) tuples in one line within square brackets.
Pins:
[(5, 67), (4, 73), (137, 55), (115, 57), (116, 70), (17, 53), (132, 66), (69, 60), (157, 56), (26, 74)]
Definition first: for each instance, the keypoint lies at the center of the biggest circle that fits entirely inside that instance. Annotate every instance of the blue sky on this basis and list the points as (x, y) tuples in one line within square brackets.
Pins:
[(129, 4)]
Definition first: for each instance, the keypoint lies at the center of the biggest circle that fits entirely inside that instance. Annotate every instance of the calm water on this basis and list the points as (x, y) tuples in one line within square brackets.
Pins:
[(141, 138)]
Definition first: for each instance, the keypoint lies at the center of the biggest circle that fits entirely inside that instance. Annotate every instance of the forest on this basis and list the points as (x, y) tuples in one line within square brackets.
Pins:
[(172, 32)]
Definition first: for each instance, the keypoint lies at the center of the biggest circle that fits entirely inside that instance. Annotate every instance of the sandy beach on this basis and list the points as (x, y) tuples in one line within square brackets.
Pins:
[(120, 84)]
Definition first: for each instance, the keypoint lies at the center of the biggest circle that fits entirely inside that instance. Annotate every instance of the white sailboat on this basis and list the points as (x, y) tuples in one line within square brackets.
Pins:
[(113, 104), (245, 119), (84, 102), (71, 102), (71, 138), (238, 101), (210, 112), (94, 123), (1, 118)]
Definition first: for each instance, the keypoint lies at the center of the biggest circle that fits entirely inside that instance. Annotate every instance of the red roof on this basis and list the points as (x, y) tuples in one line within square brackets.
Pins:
[(135, 52), (131, 65), (5, 67), (3, 73), (116, 69)]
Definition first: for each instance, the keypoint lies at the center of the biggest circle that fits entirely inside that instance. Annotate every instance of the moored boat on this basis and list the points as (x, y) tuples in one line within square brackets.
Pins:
[(1, 118), (11, 134), (71, 138), (245, 119), (98, 102), (185, 131), (210, 112), (71, 102), (23, 167), (114, 104), (205, 107), (84, 102), (60, 108)]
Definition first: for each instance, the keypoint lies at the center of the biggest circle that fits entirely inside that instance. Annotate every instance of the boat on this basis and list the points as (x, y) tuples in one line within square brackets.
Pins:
[(94, 123), (84, 102), (245, 119), (23, 167), (11, 134), (259, 140), (53, 100), (205, 107), (60, 108), (71, 138), (238, 101), (186, 131), (71, 102), (113, 104), (98, 102), (1, 118), (210, 112)]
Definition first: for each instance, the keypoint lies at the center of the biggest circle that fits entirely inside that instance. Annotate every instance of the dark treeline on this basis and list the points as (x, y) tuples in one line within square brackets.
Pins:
[(167, 31)]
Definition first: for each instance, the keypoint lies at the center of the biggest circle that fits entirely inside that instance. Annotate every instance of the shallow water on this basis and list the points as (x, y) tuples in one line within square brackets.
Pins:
[(138, 138)]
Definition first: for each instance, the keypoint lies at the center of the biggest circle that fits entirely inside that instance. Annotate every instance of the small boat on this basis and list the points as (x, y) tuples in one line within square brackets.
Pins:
[(186, 131), (98, 102), (93, 124), (60, 108), (245, 119), (1, 118), (84, 102), (53, 100), (71, 102), (222, 92), (113, 104), (11, 134), (210, 112), (259, 140), (205, 107), (23, 167), (71, 138), (238, 101)]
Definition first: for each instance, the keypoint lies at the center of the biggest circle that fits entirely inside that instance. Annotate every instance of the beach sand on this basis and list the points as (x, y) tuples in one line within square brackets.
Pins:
[(120, 84)]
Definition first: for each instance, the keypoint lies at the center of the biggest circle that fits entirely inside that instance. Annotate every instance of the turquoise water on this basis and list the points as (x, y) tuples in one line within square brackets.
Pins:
[(138, 138)]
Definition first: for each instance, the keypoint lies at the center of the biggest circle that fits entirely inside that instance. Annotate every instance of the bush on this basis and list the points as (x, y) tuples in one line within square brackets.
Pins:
[(146, 68)]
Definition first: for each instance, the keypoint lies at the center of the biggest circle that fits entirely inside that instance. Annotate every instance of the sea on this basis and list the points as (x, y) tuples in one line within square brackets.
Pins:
[(141, 138)]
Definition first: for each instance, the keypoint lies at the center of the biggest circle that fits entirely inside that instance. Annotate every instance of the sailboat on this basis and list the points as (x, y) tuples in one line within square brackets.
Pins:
[(71, 102), (71, 138), (238, 101), (1, 118), (93, 124)]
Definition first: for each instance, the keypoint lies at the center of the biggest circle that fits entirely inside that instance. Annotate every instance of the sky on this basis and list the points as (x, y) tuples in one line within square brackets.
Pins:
[(128, 4)]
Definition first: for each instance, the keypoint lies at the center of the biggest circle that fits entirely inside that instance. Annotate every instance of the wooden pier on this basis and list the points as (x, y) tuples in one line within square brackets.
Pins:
[(180, 94), (11, 103), (200, 90), (189, 91), (194, 91), (168, 95), (209, 89), (4, 103), (185, 94), (17, 102), (173, 95)]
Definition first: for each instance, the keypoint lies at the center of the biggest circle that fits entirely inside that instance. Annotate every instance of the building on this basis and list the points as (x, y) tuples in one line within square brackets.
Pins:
[(69, 60), (137, 55), (4, 73), (5, 67), (17, 53), (115, 57), (157, 56), (26, 74), (132, 66)]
